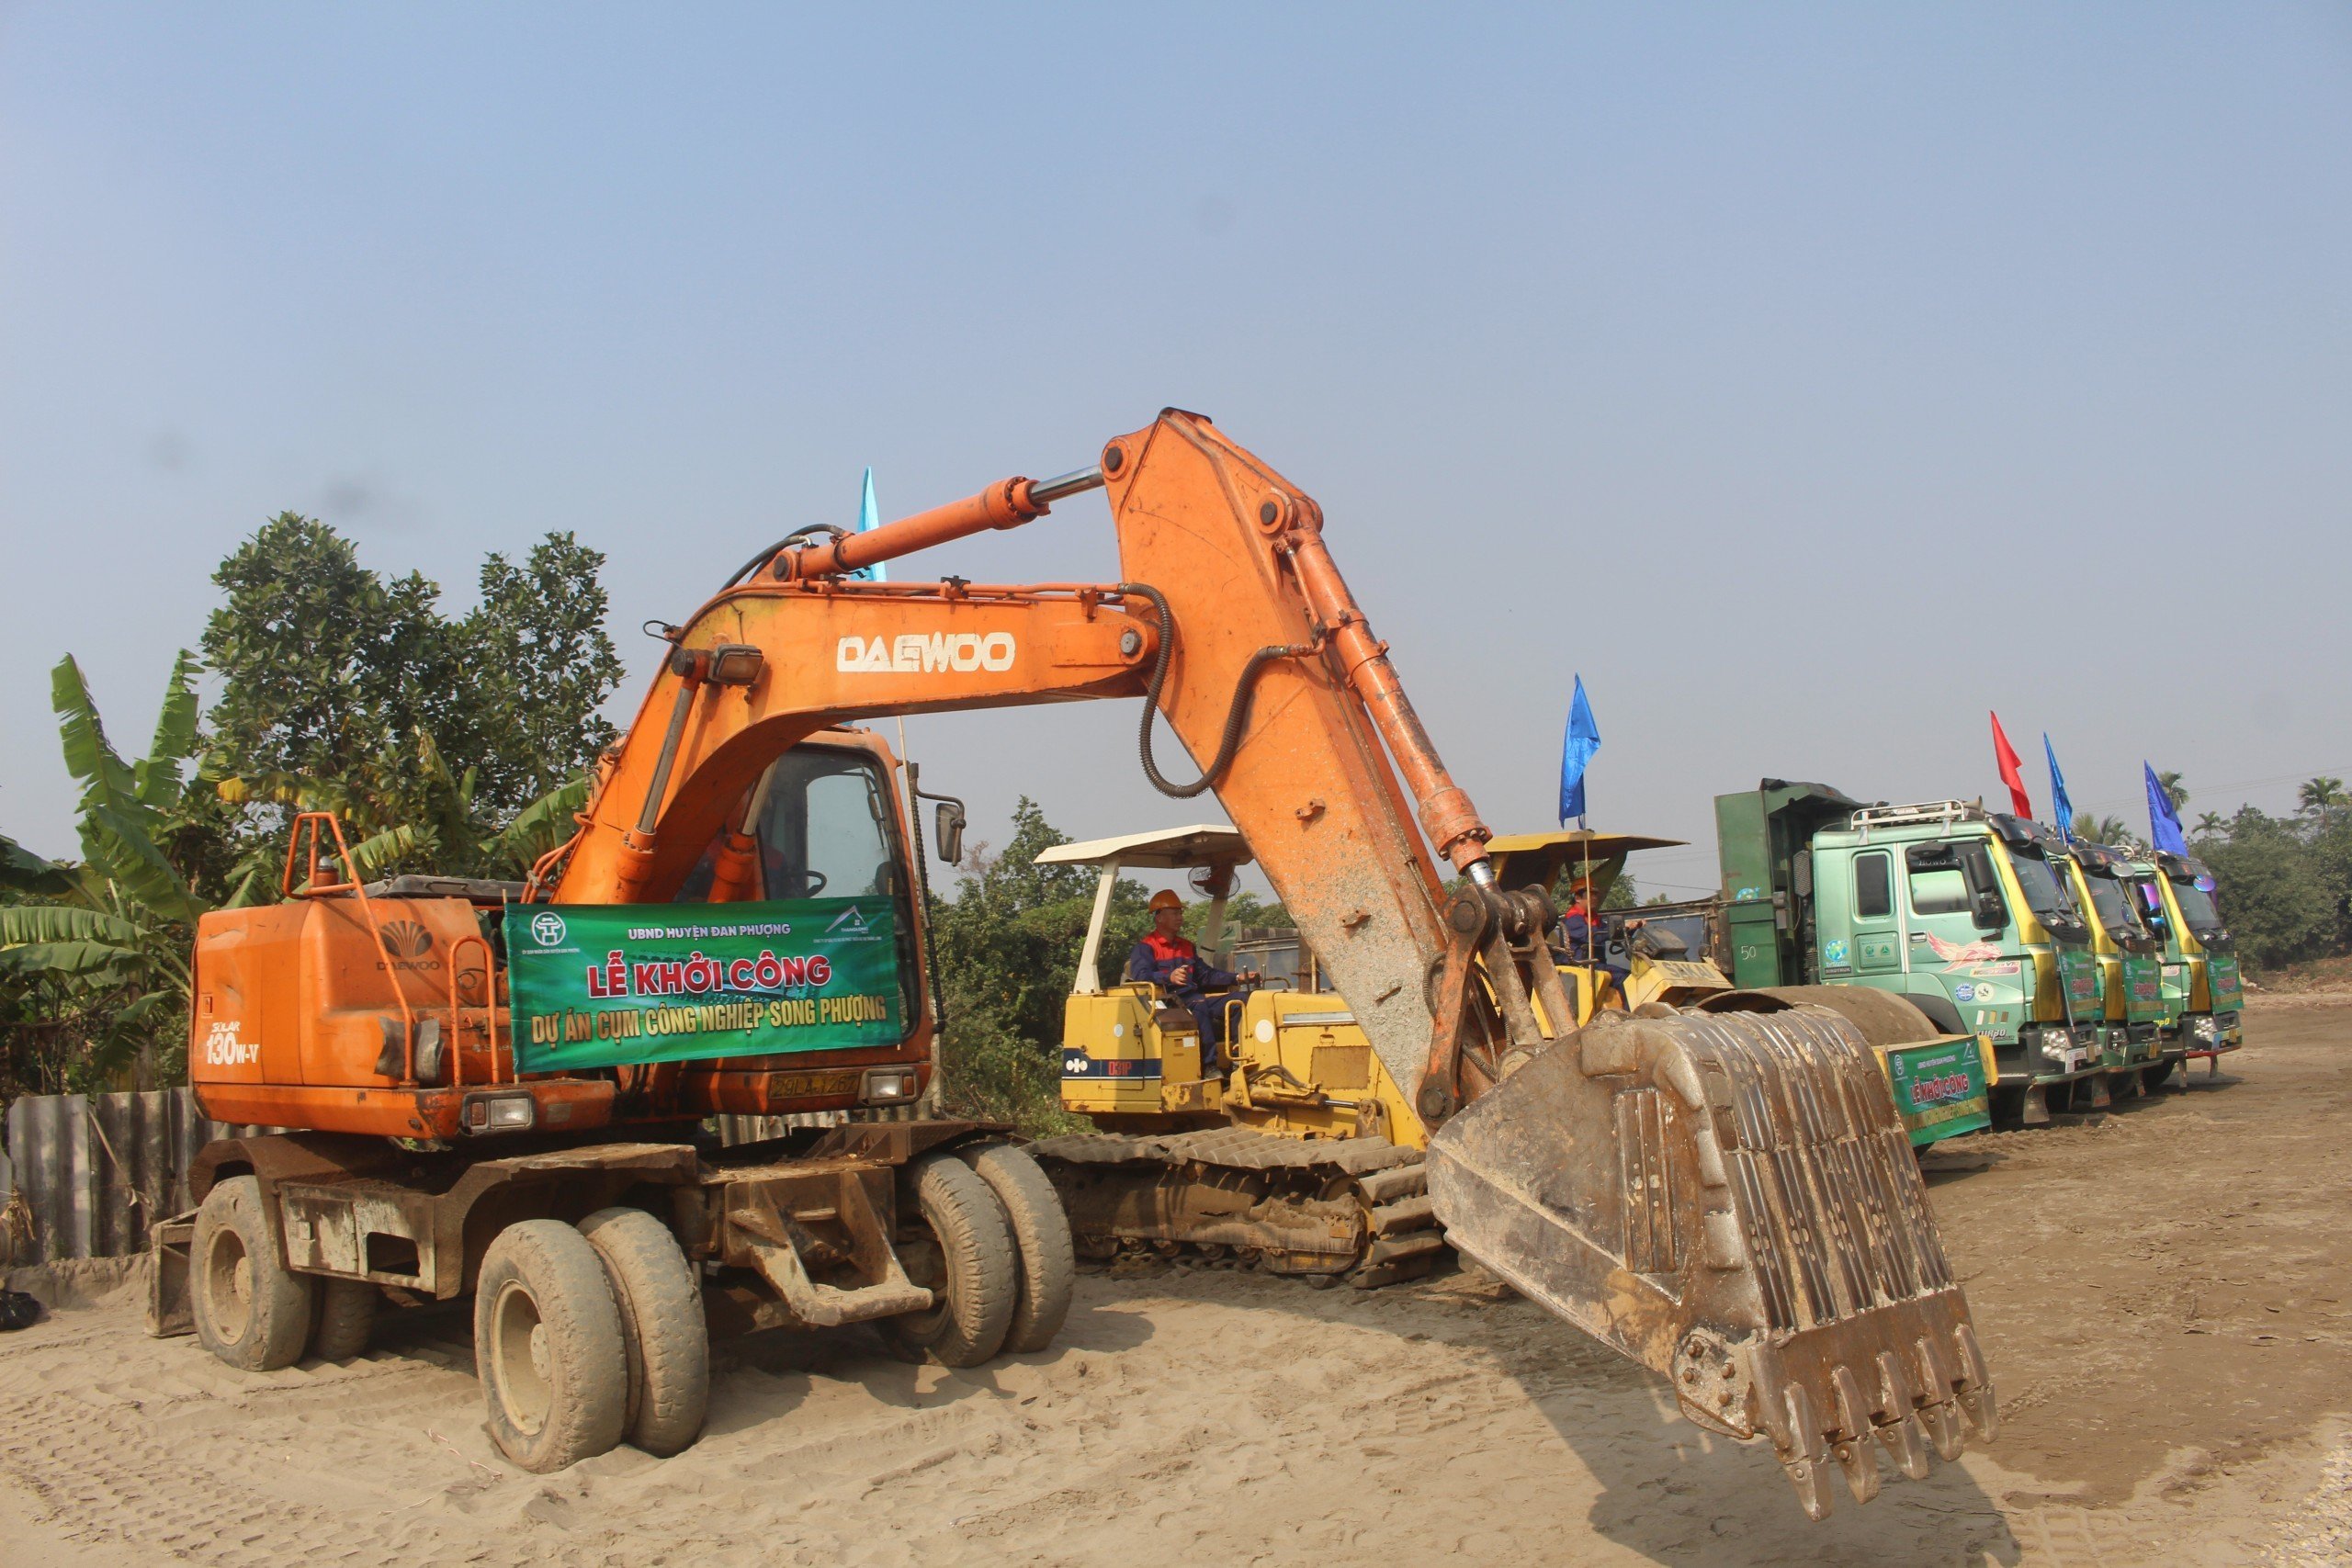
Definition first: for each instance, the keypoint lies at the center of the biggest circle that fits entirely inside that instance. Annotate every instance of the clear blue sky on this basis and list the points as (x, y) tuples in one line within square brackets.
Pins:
[(1812, 379)]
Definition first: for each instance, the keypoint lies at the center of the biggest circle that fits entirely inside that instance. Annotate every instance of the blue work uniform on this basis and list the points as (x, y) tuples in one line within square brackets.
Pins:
[(1588, 944), (1155, 958)]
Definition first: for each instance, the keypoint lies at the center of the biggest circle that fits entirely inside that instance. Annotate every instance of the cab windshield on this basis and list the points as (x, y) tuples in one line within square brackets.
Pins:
[(2195, 897), (2149, 903), (2115, 912), (2042, 892)]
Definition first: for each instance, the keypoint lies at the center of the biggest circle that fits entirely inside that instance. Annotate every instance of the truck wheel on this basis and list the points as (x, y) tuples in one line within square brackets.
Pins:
[(961, 1250), (663, 1334), (251, 1309), (548, 1346), (1046, 1264), (2155, 1078), (346, 1316)]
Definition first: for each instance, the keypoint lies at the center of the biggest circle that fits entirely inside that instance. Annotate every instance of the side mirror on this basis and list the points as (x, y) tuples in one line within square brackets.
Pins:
[(1991, 916), (947, 828)]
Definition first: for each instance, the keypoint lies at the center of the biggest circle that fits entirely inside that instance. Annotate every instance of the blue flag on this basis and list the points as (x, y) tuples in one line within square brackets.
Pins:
[(1576, 754), (2060, 805), (869, 519), (2163, 822)]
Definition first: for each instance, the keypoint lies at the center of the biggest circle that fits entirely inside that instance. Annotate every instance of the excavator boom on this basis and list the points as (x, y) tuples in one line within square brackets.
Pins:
[(1726, 1198)]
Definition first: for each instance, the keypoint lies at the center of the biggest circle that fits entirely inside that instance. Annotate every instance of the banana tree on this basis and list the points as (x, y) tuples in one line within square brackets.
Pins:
[(449, 833), (107, 938)]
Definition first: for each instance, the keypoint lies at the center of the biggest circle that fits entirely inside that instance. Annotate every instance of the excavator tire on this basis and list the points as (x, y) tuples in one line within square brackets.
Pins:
[(961, 1250), (347, 1317), (547, 1347), (251, 1309), (663, 1332), (1323, 1209), (1041, 1242)]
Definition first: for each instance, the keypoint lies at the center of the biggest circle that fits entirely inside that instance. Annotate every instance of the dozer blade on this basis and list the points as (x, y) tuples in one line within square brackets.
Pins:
[(1730, 1199)]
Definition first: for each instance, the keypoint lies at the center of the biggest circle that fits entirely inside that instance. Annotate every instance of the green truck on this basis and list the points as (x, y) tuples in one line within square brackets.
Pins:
[(1961, 911), (2140, 1020), (2175, 896)]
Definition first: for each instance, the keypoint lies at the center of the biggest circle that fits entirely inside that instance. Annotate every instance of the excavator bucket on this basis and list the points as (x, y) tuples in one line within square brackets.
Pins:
[(1730, 1199)]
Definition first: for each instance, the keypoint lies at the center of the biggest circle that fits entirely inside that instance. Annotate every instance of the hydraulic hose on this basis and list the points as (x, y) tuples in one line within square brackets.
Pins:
[(769, 554), (1237, 717)]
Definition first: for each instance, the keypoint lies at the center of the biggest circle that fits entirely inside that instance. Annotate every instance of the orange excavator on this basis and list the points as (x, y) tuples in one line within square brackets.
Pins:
[(1728, 1198)]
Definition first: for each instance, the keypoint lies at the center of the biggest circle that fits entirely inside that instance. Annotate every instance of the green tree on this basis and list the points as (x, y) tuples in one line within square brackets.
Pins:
[(2274, 892), (2210, 824), (2321, 795), (2109, 831), (1008, 946), (2173, 789), (344, 691), (95, 954)]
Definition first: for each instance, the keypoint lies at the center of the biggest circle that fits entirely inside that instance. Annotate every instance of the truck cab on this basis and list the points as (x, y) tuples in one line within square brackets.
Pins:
[(1957, 908), (2130, 962), (2201, 968), (1953, 908)]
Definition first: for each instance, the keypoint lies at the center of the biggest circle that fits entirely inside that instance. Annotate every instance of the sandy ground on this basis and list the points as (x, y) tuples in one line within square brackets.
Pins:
[(2162, 1292)]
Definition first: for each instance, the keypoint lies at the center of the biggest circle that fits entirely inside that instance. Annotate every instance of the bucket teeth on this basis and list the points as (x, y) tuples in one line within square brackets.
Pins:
[(1730, 1199), (1851, 1449), (1907, 1445), (1976, 1386), (1898, 1421)]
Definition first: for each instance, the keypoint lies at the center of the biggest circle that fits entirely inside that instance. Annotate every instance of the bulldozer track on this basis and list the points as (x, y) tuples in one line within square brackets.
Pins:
[(1356, 1208)]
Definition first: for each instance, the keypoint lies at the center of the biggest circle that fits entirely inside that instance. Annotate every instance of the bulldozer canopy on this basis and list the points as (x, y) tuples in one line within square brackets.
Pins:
[(1525, 860), (1169, 849)]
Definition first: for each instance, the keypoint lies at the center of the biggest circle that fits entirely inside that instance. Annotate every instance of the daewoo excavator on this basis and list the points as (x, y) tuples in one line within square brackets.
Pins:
[(1727, 1198)]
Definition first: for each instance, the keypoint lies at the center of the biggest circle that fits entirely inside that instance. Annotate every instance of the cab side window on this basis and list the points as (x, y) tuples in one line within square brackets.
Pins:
[(1937, 885), (1955, 879), (1873, 886)]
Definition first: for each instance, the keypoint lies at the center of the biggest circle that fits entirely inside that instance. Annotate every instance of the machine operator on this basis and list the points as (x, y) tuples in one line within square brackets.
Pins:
[(1167, 959), (1585, 935)]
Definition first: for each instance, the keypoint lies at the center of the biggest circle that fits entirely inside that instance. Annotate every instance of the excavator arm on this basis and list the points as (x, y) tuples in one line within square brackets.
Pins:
[(1728, 1198)]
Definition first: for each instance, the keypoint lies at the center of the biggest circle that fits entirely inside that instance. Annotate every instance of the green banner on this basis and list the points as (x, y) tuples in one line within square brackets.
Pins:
[(2078, 972), (2221, 980), (2144, 989), (1940, 1088), (609, 984)]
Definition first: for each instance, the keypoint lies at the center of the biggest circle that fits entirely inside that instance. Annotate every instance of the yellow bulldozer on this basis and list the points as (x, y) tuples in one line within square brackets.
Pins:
[(1177, 1162)]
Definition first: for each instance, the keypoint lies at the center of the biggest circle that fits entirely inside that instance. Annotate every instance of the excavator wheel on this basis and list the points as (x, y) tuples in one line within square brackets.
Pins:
[(663, 1332), (1730, 1199), (251, 1309), (346, 1318), (957, 1245), (548, 1346), (1041, 1243)]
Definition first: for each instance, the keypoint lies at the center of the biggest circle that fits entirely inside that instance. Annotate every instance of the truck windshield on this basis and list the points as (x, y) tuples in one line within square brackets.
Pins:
[(2042, 893), (2195, 897), (2114, 909), (2150, 903)]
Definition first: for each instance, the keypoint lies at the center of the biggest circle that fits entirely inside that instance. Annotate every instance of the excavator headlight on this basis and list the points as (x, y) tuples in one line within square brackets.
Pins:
[(889, 1086), (500, 1112), (735, 665)]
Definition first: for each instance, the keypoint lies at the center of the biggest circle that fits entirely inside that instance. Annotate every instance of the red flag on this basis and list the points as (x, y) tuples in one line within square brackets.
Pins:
[(2006, 755)]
